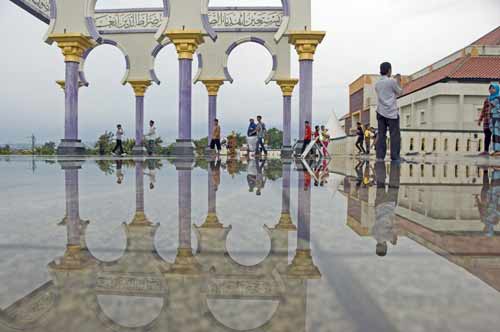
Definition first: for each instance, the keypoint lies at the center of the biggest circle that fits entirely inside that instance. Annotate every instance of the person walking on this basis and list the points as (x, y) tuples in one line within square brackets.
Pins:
[(368, 138), (484, 118), (251, 136), (325, 139), (215, 142), (388, 90), (261, 134), (361, 139), (307, 137), (494, 100), (151, 137), (119, 144)]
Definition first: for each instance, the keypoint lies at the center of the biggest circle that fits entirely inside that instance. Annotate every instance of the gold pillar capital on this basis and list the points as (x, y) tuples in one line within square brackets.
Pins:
[(213, 85), (287, 86), (286, 223), (140, 87), (306, 42), (140, 219), (186, 42), (72, 45), (62, 84)]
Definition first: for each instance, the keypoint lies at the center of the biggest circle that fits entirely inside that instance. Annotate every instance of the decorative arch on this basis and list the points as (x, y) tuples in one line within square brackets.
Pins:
[(85, 55), (250, 40), (154, 55)]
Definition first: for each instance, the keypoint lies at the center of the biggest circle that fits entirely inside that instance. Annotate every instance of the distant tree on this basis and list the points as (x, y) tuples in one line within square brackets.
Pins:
[(104, 144), (48, 149), (5, 150), (274, 138)]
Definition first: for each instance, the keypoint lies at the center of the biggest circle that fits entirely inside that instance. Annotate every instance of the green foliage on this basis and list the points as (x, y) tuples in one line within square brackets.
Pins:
[(274, 170), (4, 150), (274, 138), (48, 149), (104, 144)]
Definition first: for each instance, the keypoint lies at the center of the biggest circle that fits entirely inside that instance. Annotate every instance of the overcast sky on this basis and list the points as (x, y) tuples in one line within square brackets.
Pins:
[(361, 34)]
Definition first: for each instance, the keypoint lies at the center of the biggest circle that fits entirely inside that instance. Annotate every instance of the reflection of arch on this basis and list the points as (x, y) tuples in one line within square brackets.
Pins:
[(116, 258), (114, 325), (250, 40), (259, 264), (219, 318), (88, 51)]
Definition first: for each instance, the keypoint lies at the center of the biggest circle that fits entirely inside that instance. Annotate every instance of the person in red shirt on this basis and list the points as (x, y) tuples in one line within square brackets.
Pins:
[(307, 137)]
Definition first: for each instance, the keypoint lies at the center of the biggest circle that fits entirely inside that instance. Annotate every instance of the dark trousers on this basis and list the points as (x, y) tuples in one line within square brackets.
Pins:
[(395, 134), (304, 145), (367, 144), (487, 139), (359, 144), (260, 146), (151, 147), (118, 146), (215, 143)]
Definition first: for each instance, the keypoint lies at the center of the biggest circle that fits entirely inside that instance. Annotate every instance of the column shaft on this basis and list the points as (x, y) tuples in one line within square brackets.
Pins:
[(139, 187), (71, 101), (287, 121), (306, 79), (212, 114), (212, 193), (139, 121), (285, 196), (185, 93)]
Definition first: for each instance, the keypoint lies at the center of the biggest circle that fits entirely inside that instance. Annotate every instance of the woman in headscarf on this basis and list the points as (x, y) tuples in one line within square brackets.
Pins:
[(494, 100)]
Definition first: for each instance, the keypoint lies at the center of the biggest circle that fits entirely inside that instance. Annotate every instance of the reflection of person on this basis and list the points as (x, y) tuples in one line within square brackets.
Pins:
[(260, 179), (151, 174), (388, 90), (151, 137), (489, 206), (215, 170), (119, 172), (385, 206), (119, 137)]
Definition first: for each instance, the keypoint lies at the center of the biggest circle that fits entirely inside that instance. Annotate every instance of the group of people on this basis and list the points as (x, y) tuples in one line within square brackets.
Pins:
[(150, 138), (320, 136), (365, 134), (490, 118)]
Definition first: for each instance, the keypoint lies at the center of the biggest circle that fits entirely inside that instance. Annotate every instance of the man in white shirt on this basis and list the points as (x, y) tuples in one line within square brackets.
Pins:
[(119, 138), (388, 90), (151, 137)]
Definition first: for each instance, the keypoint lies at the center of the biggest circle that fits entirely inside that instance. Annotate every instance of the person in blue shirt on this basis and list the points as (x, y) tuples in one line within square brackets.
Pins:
[(252, 128)]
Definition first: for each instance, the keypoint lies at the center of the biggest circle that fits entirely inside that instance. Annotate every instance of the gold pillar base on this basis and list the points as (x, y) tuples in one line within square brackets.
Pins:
[(212, 221), (74, 259), (303, 267), (286, 223), (140, 219), (185, 263)]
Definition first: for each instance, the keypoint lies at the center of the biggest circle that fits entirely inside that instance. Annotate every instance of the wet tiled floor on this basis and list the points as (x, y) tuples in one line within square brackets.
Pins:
[(236, 245)]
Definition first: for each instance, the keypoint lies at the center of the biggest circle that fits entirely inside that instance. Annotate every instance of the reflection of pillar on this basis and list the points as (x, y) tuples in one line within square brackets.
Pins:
[(213, 86), (286, 220), (302, 265), (140, 88), (73, 257), (186, 43), (212, 221), (287, 87), (305, 43), (140, 216), (185, 262), (73, 46)]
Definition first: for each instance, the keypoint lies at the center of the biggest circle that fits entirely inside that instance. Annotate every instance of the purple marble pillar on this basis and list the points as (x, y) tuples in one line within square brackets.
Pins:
[(287, 121), (305, 108), (184, 201), (72, 206), (139, 187), (184, 145), (303, 213), (212, 115), (71, 145), (139, 125)]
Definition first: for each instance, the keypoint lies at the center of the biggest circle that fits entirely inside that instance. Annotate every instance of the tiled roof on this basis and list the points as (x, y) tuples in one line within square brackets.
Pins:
[(490, 39), (432, 77), (465, 67), (487, 67)]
